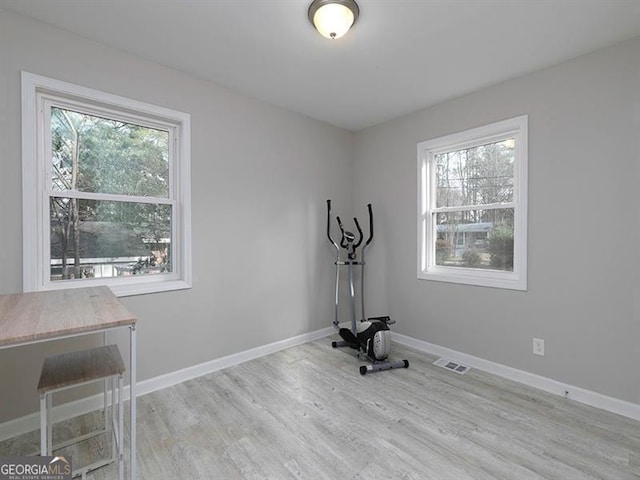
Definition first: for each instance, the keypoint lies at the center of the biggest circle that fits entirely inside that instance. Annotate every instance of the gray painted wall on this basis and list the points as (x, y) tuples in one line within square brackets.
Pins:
[(260, 177), (584, 230)]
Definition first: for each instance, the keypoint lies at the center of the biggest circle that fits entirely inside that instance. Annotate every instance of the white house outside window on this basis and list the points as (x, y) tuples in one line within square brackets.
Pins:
[(472, 206), (105, 190)]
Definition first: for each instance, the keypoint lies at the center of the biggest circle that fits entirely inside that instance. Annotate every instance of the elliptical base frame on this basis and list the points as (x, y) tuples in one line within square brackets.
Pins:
[(372, 366)]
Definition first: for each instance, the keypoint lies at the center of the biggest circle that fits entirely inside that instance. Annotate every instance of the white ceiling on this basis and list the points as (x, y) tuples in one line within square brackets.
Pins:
[(401, 56)]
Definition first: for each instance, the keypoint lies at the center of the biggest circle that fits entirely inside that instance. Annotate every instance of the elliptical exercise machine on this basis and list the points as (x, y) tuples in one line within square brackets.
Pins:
[(370, 337)]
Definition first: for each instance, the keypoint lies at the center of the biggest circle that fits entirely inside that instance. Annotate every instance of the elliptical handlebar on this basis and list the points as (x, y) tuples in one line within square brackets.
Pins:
[(344, 240), (370, 239), (333, 242), (347, 238), (360, 235)]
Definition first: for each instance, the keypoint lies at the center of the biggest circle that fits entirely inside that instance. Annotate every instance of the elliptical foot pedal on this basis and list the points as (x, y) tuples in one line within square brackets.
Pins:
[(384, 319), (348, 336)]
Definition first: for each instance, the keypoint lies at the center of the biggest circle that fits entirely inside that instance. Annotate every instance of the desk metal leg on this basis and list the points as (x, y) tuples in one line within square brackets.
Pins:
[(43, 424), (120, 429), (132, 401)]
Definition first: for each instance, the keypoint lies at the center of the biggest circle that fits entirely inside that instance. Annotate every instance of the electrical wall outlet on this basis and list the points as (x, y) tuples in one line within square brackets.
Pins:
[(538, 346)]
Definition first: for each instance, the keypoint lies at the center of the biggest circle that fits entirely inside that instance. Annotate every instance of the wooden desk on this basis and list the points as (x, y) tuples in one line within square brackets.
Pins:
[(28, 318)]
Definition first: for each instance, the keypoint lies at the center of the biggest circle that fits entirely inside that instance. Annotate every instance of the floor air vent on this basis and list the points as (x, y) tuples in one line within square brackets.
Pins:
[(453, 366)]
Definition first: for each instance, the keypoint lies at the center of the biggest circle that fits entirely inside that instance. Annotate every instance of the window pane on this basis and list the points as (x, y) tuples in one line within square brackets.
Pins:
[(94, 239), (480, 175), (99, 155), (475, 239)]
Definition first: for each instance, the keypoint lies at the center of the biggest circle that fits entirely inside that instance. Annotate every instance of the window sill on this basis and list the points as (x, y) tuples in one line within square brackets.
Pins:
[(468, 276), (145, 288), (123, 290)]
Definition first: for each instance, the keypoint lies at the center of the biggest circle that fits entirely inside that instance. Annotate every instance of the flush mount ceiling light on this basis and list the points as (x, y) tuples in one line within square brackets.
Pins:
[(333, 18)]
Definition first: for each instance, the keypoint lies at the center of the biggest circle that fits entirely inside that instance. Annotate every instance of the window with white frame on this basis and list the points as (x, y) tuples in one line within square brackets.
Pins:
[(472, 206), (106, 190)]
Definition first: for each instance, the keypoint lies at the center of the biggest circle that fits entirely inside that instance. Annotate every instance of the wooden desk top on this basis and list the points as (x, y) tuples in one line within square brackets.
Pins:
[(32, 317)]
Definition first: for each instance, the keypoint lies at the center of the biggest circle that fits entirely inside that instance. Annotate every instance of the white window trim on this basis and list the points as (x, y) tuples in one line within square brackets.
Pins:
[(427, 268), (35, 230)]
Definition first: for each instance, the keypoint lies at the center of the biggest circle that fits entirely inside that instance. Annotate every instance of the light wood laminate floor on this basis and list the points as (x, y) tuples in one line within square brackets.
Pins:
[(306, 413)]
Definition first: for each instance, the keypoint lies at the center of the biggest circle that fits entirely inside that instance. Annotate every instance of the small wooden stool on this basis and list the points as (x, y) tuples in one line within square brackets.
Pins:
[(72, 370)]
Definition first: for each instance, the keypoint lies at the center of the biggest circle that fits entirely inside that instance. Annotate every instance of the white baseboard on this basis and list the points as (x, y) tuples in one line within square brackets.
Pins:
[(31, 422), (588, 397)]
